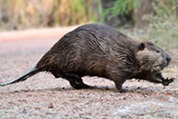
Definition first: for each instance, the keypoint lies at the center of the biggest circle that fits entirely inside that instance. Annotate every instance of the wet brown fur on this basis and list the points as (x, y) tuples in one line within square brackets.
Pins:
[(98, 50)]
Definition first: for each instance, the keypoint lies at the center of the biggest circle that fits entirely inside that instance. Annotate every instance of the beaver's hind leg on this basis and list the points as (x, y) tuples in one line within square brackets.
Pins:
[(74, 80)]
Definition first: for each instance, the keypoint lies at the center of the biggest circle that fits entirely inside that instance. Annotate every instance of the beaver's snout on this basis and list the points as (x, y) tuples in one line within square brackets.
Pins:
[(167, 59)]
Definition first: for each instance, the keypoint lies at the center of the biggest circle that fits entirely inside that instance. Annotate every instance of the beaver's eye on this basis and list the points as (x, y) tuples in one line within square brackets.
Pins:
[(157, 51), (141, 46)]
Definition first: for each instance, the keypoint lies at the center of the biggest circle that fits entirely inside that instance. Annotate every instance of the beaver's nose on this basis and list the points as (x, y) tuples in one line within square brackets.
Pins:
[(168, 59)]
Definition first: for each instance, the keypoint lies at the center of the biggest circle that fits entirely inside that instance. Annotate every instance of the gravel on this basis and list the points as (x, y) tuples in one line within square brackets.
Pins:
[(44, 97)]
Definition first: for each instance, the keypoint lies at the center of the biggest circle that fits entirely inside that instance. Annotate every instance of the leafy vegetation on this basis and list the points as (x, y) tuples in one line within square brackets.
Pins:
[(163, 24), (163, 28), (122, 7), (20, 14)]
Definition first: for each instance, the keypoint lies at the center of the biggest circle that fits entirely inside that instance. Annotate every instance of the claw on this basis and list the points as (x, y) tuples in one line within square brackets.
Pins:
[(167, 81)]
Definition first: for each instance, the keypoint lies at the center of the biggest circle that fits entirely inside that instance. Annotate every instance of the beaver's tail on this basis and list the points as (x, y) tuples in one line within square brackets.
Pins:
[(30, 73)]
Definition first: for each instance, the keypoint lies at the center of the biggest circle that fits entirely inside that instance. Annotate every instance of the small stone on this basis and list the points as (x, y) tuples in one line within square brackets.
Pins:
[(124, 98), (50, 105)]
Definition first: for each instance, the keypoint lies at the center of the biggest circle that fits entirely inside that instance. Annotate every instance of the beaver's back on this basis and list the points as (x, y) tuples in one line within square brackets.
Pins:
[(91, 49)]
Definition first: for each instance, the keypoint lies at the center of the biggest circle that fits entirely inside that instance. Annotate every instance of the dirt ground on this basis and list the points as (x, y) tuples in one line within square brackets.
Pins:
[(44, 97)]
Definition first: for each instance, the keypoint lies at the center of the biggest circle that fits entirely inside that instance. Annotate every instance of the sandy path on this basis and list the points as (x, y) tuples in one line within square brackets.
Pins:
[(42, 96)]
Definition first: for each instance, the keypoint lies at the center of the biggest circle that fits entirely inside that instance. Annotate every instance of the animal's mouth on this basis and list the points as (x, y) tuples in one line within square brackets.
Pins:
[(160, 67), (166, 63)]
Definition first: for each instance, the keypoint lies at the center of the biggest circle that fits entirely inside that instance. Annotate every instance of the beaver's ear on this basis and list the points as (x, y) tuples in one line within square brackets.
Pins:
[(141, 46)]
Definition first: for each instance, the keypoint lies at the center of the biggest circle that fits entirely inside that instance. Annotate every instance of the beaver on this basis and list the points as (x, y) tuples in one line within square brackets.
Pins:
[(100, 50)]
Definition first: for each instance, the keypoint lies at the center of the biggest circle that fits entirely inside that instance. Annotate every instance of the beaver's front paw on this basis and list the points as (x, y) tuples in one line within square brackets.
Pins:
[(167, 81)]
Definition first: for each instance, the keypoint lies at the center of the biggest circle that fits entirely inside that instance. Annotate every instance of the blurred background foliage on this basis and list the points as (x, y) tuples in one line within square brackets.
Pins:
[(156, 20), (22, 14)]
